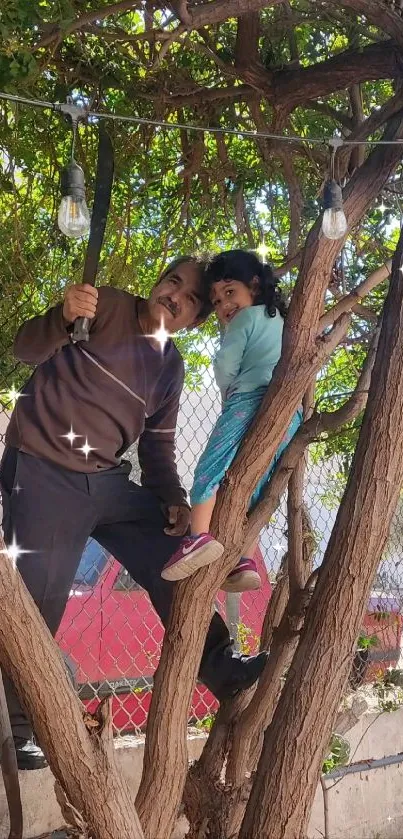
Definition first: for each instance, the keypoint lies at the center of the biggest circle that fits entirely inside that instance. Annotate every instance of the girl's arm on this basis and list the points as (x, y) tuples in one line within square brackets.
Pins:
[(228, 360)]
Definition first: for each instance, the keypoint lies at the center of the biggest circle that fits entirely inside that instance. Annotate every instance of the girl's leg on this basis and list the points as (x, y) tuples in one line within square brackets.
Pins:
[(201, 516), (245, 576), (198, 549)]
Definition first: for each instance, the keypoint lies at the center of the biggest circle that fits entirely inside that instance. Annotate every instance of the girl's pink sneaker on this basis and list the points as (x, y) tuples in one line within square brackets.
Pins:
[(244, 577), (194, 553)]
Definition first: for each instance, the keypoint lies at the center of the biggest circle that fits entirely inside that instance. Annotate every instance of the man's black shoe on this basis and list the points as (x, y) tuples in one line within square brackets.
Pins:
[(29, 755), (245, 671)]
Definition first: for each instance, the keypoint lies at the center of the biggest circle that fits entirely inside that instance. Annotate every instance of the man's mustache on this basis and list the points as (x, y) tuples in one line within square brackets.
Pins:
[(169, 304)]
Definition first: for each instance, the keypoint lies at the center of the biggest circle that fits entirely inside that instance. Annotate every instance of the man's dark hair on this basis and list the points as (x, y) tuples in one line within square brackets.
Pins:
[(206, 305)]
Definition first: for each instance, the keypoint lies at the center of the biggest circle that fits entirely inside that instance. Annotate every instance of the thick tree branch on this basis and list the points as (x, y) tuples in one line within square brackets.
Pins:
[(247, 40), (338, 116), (296, 201), (58, 33), (309, 431), (206, 14), (352, 300), (248, 733), (292, 41), (299, 344), (357, 154), (295, 527), (193, 599), (379, 12), (290, 263), (285, 89), (308, 710), (276, 605), (219, 10), (259, 712), (82, 761), (367, 128), (181, 8), (294, 86)]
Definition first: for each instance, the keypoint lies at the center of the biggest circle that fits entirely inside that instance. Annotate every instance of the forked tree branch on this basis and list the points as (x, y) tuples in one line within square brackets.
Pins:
[(165, 758)]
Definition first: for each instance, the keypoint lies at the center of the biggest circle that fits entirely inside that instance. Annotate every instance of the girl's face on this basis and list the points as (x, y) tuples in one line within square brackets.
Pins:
[(229, 297)]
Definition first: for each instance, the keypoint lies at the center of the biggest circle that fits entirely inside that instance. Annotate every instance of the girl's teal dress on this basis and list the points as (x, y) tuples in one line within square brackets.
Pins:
[(243, 369)]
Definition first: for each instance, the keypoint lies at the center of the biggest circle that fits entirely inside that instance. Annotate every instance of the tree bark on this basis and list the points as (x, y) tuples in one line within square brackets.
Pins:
[(282, 795), (165, 756), (351, 300), (294, 86), (9, 769), (379, 12), (299, 359), (82, 759)]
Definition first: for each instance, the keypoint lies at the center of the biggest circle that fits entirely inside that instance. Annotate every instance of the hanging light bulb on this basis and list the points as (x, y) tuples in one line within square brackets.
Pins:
[(73, 217), (334, 222)]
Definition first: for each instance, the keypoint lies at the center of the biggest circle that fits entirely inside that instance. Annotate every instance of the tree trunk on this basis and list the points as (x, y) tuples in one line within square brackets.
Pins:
[(282, 795), (81, 758), (9, 769), (165, 756)]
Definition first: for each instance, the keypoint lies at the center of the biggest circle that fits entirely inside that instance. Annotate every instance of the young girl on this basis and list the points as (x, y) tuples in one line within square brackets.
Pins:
[(247, 304)]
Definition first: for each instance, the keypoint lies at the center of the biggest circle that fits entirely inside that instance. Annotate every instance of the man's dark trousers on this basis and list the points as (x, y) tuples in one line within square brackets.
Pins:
[(52, 511)]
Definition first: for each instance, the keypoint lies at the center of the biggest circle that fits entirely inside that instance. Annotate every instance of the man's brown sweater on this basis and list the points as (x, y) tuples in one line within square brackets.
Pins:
[(111, 391)]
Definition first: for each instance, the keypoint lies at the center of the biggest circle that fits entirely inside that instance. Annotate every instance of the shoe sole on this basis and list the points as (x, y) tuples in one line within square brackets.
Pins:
[(29, 766), (244, 581), (187, 566)]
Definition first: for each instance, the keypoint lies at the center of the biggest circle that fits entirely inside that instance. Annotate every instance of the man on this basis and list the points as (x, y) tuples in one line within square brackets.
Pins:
[(62, 477)]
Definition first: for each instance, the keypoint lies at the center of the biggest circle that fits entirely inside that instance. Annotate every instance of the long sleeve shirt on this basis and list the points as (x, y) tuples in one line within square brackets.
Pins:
[(110, 392), (249, 352)]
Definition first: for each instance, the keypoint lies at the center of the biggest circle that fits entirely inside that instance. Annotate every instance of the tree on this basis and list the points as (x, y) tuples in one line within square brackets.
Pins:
[(287, 69)]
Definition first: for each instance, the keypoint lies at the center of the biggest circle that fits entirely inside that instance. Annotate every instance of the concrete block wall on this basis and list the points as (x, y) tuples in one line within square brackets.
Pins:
[(367, 803)]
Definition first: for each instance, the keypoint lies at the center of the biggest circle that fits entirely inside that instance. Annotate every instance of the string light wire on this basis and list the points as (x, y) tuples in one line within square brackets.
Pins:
[(237, 132)]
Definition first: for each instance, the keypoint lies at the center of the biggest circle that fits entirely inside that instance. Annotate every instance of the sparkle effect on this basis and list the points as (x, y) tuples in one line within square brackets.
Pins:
[(14, 551), (262, 251), (86, 449), (11, 395), (161, 335), (279, 547), (71, 436)]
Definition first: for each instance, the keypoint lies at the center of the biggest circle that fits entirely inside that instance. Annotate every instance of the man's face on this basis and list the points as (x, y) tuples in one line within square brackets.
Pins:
[(177, 298)]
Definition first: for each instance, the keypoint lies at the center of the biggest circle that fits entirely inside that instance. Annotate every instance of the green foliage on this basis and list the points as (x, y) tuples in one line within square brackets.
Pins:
[(365, 642), (176, 191), (206, 723), (389, 691), (248, 640), (339, 754)]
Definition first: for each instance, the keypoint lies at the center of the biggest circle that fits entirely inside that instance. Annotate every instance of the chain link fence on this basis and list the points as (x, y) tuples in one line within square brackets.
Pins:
[(111, 636)]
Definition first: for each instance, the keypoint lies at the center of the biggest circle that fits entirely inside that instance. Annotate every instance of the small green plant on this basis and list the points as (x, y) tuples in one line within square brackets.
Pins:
[(388, 689), (365, 642), (247, 639), (206, 723), (339, 754)]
